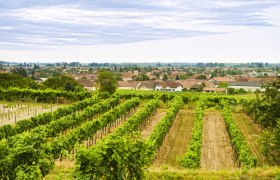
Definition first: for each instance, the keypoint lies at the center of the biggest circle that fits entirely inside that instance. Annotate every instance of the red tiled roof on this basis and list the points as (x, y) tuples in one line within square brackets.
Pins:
[(85, 82), (223, 79)]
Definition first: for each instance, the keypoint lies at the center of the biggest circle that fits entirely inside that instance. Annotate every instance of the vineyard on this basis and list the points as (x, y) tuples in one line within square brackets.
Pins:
[(133, 135)]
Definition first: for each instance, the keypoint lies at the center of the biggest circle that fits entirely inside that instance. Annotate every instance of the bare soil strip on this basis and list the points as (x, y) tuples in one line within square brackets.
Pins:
[(217, 152), (251, 132), (152, 122), (177, 139)]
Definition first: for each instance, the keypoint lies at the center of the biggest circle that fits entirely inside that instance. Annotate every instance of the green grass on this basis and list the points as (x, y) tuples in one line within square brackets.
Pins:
[(65, 172), (256, 173)]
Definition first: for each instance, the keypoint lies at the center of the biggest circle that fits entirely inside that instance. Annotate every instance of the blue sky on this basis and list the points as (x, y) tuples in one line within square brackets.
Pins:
[(140, 31)]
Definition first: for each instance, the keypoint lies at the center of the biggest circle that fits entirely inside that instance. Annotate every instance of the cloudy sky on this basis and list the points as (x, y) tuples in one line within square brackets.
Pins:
[(140, 31)]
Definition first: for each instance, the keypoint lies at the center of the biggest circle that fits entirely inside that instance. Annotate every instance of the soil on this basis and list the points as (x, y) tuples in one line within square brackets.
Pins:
[(217, 152), (149, 126)]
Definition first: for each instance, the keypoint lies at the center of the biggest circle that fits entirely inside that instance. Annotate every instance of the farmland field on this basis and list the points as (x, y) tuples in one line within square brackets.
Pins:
[(133, 130)]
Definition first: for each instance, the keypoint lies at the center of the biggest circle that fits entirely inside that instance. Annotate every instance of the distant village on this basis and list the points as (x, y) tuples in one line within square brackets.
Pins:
[(211, 77)]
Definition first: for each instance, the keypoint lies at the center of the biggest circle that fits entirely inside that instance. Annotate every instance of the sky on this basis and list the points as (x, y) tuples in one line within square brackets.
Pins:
[(140, 31)]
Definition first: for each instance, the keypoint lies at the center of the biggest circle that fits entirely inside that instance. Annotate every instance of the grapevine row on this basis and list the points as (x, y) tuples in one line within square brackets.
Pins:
[(192, 157), (94, 163), (45, 118), (87, 130), (155, 140), (60, 125), (41, 95), (246, 158), (31, 149)]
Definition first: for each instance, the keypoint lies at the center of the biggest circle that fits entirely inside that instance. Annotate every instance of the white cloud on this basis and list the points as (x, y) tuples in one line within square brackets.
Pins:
[(51, 27), (244, 46)]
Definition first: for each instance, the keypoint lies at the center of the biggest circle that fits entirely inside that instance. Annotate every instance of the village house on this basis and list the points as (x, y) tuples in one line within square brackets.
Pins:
[(128, 76), (169, 86), (248, 86), (218, 80), (146, 85), (128, 85), (87, 84)]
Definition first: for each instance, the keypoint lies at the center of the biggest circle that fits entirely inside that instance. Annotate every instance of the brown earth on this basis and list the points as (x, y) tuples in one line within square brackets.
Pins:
[(149, 126), (217, 152)]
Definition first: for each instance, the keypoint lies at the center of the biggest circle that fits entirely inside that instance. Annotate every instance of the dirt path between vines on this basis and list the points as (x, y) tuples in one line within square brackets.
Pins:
[(176, 140), (148, 128), (217, 152)]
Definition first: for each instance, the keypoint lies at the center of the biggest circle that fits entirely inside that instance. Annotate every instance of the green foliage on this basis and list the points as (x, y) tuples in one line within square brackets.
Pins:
[(65, 83), (106, 81), (87, 130), (165, 77), (45, 118), (121, 157), (50, 96), (28, 173), (23, 154), (15, 80), (270, 140), (86, 167), (202, 76), (192, 157), (246, 158), (19, 71), (265, 109), (156, 138), (142, 77), (223, 85), (231, 91)]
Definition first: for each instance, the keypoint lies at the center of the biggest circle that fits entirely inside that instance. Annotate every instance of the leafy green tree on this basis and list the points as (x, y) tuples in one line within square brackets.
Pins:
[(242, 91), (177, 77), (201, 87), (62, 83), (14, 80), (231, 91), (20, 71), (270, 141), (106, 81), (142, 77), (223, 85), (202, 76), (69, 87), (265, 111), (165, 77)]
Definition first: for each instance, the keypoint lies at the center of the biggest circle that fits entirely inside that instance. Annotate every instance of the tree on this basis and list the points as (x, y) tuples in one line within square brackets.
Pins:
[(106, 81), (62, 83), (20, 71), (177, 77), (14, 80), (202, 76), (265, 110), (165, 78), (223, 85), (231, 91)]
